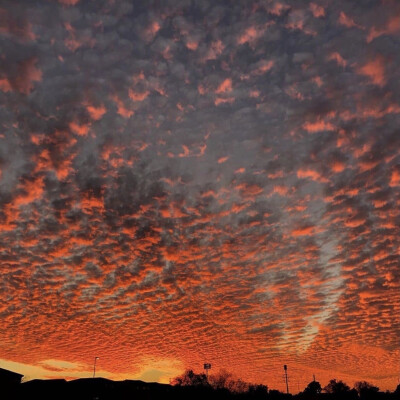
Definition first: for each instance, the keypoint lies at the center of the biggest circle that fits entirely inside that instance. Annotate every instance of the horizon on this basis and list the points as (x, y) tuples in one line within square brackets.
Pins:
[(195, 182), (208, 377)]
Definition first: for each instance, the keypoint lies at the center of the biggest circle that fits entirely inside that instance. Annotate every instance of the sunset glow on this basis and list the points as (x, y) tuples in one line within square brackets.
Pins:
[(187, 182)]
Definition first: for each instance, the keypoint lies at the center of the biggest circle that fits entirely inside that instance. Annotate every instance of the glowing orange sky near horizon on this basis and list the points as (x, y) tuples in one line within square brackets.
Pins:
[(210, 183)]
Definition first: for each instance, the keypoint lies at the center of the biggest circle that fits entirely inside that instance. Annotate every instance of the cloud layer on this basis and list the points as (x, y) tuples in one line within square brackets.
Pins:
[(198, 182)]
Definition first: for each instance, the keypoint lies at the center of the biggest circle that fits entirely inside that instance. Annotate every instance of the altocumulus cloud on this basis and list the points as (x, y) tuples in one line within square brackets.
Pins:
[(193, 182)]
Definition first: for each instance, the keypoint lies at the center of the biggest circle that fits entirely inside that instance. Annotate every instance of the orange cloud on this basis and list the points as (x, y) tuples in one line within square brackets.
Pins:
[(317, 10), (152, 29), (249, 190), (277, 174), (318, 126), (5, 85), (27, 74), (31, 190), (392, 27), (96, 113), (347, 21), (303, 231), (136, 96), (338, 166), (338, 58), (215, 50), (375, 71), (354, 222), (121, 109), (69, 2), (80, 130), (278, 8), (263, 67), (281, 190), (223, 100), (394, 178), (225, 86), (18, 27), (192, 45), (311, 174), (251, 34)]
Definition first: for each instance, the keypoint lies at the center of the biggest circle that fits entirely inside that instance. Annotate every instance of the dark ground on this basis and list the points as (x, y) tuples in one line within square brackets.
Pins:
[(104, 389)]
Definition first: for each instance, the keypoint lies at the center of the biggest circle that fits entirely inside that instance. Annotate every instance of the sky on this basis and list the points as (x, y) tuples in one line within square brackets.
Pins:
[(185, 182)]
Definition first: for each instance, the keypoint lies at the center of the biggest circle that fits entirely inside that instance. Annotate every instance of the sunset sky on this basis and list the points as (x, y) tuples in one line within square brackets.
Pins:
[(200, 181)]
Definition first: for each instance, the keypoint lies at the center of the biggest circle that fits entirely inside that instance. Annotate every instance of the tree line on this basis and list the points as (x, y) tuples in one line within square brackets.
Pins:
[(226, 384)]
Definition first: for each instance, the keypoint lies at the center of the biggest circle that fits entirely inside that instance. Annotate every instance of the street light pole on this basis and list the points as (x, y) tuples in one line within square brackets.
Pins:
[(94, 366), (286, 379)]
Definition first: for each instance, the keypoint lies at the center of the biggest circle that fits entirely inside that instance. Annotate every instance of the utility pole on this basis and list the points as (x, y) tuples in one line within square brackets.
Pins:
[(94, 366), (286, 379), (207, 366)]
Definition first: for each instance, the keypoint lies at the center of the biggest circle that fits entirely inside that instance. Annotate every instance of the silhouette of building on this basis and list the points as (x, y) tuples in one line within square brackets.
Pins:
[(10, 383), (9, 378)]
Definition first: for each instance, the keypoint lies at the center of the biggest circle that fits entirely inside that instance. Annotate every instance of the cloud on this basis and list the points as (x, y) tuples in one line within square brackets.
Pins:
[(207, 183), (317, 10), (347, 21), (375, 71)]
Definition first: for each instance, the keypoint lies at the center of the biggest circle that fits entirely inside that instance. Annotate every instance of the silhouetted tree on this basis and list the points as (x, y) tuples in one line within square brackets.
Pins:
[(221, 380), (340, 390), (366, 390), (397, 392), (336, 387), (223, 385), (225, 380), (238, 386), (259, 391), (313, 389), (276, 394), (189, 378)]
